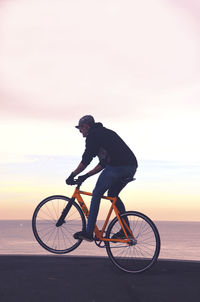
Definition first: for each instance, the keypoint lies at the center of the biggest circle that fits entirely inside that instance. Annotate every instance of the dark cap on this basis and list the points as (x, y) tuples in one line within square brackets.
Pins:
[(86, 119)]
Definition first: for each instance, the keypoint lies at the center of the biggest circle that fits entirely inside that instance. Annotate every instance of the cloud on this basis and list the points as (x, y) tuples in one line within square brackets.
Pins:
[(191, 9), (68, 63)]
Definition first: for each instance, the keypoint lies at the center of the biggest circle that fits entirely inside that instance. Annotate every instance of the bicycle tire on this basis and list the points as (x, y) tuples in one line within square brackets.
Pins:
[(58, 240), (141, 254)]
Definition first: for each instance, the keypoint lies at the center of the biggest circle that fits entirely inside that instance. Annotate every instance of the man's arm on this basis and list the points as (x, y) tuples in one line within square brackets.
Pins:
[(82, 167), (96, 170), (79, 169)]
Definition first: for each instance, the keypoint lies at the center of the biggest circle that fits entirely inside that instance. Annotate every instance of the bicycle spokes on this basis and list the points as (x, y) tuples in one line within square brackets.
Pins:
[(137, 253), (53, 229)]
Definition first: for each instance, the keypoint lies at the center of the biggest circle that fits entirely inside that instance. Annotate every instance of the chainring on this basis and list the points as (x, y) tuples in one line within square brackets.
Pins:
[(99, 243)]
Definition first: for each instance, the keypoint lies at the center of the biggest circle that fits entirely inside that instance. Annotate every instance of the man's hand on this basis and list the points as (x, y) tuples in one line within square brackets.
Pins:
[(70, 180), (82, 178)]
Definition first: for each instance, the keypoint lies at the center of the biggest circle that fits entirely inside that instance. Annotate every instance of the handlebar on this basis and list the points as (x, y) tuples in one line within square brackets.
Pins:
[(76, 182)]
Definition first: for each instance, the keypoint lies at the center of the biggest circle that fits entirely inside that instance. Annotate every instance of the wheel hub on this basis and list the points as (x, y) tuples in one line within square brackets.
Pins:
[(132, 242)]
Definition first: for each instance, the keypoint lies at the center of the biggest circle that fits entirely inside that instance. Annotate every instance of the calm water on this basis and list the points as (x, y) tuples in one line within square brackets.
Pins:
[(179, 240)]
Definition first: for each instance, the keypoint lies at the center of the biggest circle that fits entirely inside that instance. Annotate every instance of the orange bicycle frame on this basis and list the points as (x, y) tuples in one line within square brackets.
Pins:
[(99, 233)]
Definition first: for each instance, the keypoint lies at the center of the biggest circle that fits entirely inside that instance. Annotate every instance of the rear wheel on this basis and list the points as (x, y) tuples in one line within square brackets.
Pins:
[(142, 251), (57, 239)]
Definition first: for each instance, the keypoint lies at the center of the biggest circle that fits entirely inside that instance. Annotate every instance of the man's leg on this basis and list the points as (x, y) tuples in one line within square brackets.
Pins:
[(117, 187), (104, 182), (113, 192)]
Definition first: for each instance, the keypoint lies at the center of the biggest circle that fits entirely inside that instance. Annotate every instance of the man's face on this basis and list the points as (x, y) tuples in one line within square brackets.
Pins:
[(84, 129)]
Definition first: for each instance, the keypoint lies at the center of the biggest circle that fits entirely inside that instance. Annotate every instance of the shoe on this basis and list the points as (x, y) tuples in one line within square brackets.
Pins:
[(119, 235), (83, 235)]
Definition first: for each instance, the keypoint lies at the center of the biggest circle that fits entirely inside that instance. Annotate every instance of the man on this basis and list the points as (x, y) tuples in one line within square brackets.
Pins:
[(115, 159)]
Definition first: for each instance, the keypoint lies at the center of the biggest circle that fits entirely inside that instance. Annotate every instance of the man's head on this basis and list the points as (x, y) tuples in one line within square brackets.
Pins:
[(85, 123)]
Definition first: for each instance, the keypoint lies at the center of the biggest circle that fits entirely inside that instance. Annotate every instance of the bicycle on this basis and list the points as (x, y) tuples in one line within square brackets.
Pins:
[(57, 218)]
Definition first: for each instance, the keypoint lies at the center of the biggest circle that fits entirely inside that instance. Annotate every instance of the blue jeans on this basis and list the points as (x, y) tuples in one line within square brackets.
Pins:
[(109, 180)]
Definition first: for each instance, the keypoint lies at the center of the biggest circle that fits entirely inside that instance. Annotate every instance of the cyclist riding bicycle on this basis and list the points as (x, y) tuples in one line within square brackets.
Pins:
[(116, 160)]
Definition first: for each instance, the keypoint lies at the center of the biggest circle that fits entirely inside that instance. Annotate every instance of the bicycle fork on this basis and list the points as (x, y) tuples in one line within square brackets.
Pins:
[(66, 210)]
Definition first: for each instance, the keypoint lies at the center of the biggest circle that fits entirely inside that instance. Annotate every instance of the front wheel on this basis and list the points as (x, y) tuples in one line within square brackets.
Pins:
[(142, 251), (54, 237)]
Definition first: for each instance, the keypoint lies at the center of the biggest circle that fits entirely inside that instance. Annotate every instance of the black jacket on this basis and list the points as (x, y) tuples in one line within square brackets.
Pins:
[(108, 146)]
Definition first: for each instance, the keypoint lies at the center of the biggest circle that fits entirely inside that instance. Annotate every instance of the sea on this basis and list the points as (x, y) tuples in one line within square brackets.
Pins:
[(179, 240)]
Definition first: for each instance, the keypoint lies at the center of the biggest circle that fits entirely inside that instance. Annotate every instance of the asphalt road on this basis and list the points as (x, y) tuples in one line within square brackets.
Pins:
[(92, 279)]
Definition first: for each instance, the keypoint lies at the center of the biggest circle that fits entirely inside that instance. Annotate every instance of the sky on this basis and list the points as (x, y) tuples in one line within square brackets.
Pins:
[(133, 65)]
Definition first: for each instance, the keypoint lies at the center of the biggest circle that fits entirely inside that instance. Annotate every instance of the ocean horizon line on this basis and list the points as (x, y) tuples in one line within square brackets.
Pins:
[(154, 220)]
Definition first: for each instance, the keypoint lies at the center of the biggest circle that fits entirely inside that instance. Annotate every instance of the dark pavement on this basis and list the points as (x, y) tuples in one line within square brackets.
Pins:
[(92, 279)]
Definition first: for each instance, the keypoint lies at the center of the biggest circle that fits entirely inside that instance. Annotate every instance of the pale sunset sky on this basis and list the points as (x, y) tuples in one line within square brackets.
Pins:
[(133, 65)]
